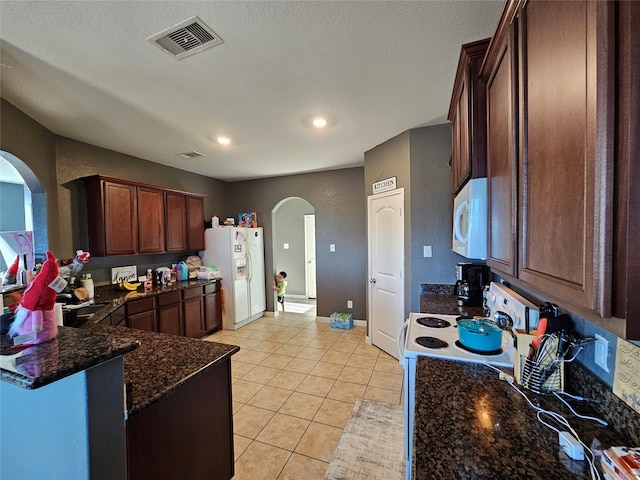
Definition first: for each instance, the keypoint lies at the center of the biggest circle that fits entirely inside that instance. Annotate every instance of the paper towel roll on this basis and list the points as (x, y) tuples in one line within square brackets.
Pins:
[(57, 308)]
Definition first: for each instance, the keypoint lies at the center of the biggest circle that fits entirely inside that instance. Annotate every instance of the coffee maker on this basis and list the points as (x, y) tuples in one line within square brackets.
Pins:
[(471, 277)]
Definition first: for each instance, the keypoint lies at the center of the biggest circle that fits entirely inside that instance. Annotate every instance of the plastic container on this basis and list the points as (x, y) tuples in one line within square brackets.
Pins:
[(87, 282), (215, 221)]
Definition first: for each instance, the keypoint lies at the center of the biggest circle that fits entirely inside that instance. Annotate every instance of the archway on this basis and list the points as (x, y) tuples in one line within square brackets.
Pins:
[(15, 171), (293, 243)]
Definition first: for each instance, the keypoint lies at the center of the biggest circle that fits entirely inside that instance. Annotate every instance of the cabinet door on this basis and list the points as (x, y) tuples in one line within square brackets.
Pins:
[(120, 218), (460, 163), (193, 313), (467, 112), (150, 220), (176, 214), (195, 217), (212, 312), (170, 319), (565, 164), (502, 156), (143, 321)]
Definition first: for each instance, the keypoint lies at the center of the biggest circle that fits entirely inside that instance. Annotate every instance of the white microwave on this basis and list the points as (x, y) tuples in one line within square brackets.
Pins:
[(470, 220)]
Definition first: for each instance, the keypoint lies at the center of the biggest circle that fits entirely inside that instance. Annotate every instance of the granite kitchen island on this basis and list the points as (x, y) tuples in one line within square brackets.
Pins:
[(177, 406)]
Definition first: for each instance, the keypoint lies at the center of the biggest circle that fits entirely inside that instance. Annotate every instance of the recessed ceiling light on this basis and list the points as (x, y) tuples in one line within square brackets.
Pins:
[(222, 140), (319, 122)]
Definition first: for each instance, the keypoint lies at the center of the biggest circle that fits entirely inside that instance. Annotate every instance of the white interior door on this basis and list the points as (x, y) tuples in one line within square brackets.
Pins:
[(386, 268), (310, 254)]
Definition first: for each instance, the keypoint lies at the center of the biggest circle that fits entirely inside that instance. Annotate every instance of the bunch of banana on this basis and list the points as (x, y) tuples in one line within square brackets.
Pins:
[(124, 285)]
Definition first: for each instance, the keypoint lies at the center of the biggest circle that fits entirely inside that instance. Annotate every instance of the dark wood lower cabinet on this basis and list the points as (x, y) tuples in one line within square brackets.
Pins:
[(170, 313), (186, 435), (193, 312), (141, 314), (212, 308)]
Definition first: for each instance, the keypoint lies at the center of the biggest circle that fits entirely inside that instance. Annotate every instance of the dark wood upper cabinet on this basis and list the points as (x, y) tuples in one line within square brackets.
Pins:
[(626, 274), (125, 218), (499, 71), (112, 217), (551, 76), (176, 215), (195, 223), (566, 159), (467, 112), (150, 220)]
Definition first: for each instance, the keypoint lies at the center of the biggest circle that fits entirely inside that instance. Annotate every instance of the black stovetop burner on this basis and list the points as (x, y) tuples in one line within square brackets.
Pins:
[(433, 322), (478, 352), (431, 342)]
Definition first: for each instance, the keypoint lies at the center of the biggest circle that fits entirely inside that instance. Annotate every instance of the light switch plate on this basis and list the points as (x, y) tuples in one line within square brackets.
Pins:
[(332, 247), (427, 251), (286, 246)]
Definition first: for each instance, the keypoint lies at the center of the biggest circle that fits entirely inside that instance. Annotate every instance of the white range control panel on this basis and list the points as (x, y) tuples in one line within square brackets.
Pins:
[(503, 299)]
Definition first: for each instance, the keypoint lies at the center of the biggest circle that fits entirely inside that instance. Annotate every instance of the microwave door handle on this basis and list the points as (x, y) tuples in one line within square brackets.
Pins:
[(456, 222)]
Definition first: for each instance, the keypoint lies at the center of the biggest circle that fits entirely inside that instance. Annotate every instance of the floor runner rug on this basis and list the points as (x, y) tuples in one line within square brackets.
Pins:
[(372, 444)]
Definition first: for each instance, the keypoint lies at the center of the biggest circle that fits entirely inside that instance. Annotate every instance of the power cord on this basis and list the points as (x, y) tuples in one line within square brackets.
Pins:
[(585, 417), (540, 412)]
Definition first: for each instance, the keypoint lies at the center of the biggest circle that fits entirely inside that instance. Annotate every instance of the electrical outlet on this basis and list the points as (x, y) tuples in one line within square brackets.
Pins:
[(349, 304), (426, 251), (601, 352)]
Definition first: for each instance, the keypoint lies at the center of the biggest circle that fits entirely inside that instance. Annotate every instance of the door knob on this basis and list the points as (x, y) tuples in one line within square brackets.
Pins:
[(373, 280)]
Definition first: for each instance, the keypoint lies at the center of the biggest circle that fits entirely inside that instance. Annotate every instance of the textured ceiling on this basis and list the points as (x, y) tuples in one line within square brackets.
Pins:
[(84, 70)]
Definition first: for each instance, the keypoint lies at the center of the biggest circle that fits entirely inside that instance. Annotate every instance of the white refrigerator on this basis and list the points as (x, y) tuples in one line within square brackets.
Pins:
[(239, 255)]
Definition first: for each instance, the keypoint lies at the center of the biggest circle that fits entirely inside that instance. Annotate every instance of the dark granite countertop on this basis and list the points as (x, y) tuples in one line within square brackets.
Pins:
[(112, 298), (163, 362), (72, 351), (471, 425), (441, 301)]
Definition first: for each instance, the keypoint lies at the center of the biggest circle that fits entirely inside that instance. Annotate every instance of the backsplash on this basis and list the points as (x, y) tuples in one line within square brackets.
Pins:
[(621, 417)]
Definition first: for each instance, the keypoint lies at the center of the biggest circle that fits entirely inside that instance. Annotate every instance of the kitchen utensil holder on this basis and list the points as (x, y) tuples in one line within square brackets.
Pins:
[(541, 378)]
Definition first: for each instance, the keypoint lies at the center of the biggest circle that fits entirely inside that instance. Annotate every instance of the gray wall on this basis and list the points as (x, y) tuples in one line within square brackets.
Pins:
[(29, 141), (431, 209), (59, 162), (338, 197), (419, 159), (12, 200), (339, 201), (289, 228)]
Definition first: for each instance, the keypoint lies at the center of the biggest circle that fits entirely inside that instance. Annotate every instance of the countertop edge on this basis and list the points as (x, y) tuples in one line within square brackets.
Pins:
[(157, 398), (45, 357)]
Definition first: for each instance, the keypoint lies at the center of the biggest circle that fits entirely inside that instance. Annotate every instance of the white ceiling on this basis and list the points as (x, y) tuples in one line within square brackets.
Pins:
[(84, 70)]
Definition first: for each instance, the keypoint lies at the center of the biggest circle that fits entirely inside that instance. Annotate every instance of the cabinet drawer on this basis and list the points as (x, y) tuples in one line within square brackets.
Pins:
[(212, 288), (191, 292), (142, 305), (168, 298)]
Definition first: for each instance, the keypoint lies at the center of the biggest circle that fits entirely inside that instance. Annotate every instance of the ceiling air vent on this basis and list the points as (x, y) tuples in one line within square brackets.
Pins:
[(186, 38), (192, 154)]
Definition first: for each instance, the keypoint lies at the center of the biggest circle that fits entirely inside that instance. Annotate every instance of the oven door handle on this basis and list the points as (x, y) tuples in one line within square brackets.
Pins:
[(400, 340)]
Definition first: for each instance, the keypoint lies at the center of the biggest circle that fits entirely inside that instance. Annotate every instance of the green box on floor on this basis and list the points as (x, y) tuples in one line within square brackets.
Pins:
[(341, 320)]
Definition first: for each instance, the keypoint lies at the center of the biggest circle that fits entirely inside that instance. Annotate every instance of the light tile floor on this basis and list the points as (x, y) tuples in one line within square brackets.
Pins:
[(295, 381)]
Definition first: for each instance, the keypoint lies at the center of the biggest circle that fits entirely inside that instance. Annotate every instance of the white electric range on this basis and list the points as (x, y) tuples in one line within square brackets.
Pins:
[(436, 335)]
